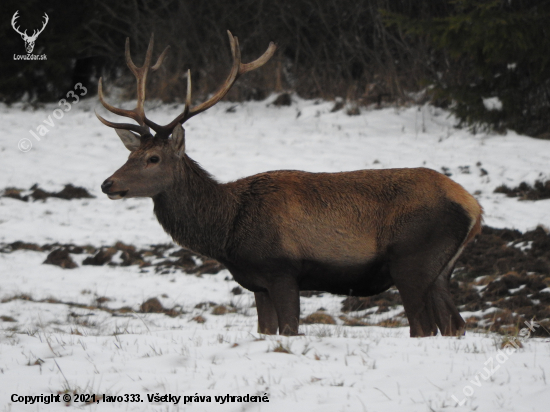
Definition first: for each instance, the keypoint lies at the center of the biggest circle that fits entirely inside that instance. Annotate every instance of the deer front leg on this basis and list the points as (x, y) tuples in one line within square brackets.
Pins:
[(285, 295), (267, 316)]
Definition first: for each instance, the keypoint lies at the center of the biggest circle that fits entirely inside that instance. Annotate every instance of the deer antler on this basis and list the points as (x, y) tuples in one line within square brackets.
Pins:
[(13, 21), (138, 114), (237, 70)]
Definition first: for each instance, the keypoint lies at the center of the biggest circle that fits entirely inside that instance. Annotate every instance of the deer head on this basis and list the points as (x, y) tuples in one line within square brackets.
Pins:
[(29, 40), (154, 159)]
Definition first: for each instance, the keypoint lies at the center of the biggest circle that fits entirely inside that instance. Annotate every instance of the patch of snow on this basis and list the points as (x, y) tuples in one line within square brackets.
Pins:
[(61, 341), (523, 246), (516, 289), (492, 103)]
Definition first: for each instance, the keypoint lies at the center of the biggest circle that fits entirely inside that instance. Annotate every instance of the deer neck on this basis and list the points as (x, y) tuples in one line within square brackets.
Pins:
[(197, 211)]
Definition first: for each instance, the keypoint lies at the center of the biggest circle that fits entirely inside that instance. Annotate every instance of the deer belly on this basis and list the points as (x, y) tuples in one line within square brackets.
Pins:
[(365, 279)]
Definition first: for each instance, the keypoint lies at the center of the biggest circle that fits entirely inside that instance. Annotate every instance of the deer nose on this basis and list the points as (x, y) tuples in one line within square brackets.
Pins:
[(106, 185)]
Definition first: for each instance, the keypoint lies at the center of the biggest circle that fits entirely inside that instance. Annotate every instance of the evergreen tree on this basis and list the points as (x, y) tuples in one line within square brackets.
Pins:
[(490, 49)]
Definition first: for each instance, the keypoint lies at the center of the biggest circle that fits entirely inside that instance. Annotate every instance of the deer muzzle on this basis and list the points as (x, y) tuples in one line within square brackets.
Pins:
[(106, 187)]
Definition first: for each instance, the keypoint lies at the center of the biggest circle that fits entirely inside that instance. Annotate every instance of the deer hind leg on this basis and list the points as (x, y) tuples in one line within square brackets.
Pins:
[(447, 317), (422, 281), (439, 297), (422, 319), (267, 316)]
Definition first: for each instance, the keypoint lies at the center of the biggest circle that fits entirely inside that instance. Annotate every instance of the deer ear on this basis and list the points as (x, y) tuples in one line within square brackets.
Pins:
[(130, 139), (178, 140)]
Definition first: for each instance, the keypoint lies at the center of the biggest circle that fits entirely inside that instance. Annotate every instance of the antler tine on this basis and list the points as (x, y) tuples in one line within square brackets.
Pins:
[(141, 130), (141, 75), (137, 114), (259, 62), (121, 112), (187, 112), (188, 97), (237, 69), (160, 59), (233, 75), (166, 130)]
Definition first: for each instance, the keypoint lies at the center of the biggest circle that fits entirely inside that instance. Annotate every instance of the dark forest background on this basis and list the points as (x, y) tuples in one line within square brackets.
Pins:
[(379, 52)]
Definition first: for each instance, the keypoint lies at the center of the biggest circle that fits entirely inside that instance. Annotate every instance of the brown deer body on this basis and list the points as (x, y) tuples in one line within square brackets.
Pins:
[(352, 233)]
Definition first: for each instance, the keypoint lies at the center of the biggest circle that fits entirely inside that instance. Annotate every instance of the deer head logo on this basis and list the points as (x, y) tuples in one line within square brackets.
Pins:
[(29, 40)]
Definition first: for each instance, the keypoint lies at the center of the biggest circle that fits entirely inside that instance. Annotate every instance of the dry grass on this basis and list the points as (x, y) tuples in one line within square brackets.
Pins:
[(282, 348), (222, 310), (318, 317), (351, 321)]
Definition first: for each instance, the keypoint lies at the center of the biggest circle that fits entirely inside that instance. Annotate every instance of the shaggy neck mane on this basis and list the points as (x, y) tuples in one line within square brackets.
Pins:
[(198, 212)]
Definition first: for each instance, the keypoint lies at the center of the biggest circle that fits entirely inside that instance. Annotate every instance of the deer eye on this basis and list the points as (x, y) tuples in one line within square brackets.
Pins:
[(153, 159)]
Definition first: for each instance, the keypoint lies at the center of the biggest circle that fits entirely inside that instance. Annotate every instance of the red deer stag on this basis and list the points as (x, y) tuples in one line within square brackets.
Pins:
[(279, 232)]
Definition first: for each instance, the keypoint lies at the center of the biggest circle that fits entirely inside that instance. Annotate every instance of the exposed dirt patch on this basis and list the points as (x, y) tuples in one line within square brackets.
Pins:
[(499, 252), (72, 249), (153, 305), (540, 190), (163, 258), (15, 193), (385, 301), (205, 305), (35, 193), (338, 105), (114, 311), (62, 258), (208, 267), (284, 99), (187, 261), (72, 192), (353, 111), (100, 258), (21, 246)]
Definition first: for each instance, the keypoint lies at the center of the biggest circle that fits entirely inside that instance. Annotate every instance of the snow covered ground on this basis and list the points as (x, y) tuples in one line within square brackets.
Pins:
[(55, 339)]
